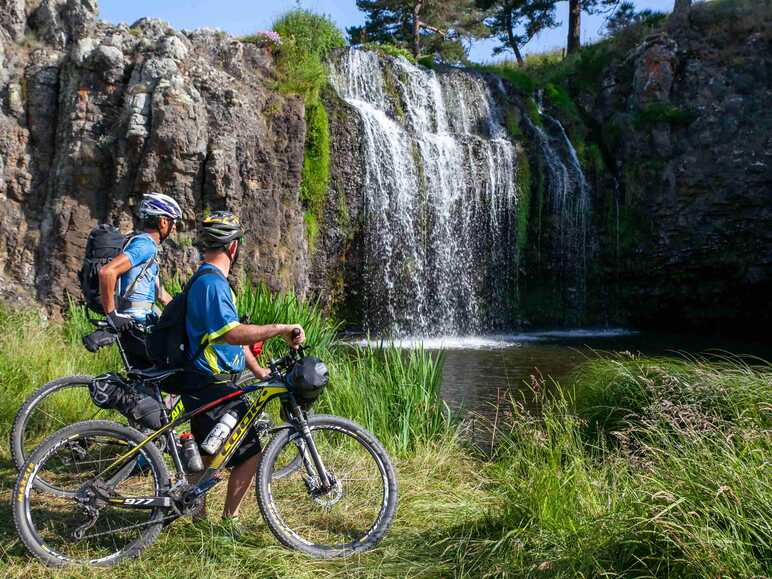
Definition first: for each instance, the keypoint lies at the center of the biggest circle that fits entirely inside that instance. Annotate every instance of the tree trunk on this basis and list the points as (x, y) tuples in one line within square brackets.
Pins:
[(417, 28), (680, 15), (574, 25), (681, 6), (512, 41)]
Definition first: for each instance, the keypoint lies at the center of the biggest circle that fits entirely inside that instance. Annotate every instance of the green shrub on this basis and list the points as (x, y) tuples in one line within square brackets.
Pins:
[(313, 34), (391, 50)]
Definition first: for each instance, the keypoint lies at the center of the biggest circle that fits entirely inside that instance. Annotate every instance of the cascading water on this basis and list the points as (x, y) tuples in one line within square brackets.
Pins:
[(569, 195), (440, 198)]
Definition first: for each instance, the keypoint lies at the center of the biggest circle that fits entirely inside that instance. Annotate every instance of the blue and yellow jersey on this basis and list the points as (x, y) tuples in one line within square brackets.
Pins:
[(212, 313)]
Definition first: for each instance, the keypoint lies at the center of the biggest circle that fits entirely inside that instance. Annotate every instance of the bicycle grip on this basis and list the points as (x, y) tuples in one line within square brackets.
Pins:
[(295, 333)]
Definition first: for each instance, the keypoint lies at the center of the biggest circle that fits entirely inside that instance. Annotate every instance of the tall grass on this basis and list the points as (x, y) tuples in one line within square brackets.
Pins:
[(666, 489), (34, 351), (267, 307), (393, 393)]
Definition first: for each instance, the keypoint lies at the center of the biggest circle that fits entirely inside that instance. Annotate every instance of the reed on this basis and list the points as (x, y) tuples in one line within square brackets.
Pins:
[(393, 393)]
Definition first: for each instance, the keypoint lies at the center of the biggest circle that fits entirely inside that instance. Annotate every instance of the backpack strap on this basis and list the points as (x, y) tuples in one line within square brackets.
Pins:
[(199, 274), (122, 297)]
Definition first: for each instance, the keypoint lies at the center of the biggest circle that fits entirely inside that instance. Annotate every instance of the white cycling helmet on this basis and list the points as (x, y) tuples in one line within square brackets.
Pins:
[(159, 205)]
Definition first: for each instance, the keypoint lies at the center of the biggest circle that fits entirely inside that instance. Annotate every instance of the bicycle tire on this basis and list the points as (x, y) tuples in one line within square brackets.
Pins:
[(22, 418), (288, 536), (25, 486)]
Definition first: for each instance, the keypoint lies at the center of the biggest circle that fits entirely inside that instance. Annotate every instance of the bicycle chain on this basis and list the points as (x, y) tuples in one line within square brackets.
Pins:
[(147, 524)]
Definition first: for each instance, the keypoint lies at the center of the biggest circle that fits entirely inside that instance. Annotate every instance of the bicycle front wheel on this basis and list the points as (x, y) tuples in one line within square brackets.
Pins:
[(353, 515), (77, 525)]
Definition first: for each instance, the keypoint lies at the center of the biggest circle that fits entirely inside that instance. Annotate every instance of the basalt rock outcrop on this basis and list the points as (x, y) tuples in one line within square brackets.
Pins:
[(92, 115), (687, 121)]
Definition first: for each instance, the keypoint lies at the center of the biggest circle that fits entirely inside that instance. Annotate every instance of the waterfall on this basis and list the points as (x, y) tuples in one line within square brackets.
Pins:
[(568, 194), (439, 194)]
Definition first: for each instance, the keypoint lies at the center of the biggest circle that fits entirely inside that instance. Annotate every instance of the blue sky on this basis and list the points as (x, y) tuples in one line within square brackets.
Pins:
[(240, 17)]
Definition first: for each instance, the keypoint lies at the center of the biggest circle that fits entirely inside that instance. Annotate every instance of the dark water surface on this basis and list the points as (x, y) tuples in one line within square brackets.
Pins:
[(479, 371)]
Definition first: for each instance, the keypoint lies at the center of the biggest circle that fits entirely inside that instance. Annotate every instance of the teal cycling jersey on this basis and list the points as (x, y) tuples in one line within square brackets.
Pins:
[(139, 250), (211, 313)]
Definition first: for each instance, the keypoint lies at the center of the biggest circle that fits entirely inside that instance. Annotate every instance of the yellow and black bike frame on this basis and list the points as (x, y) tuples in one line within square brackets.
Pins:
[(265, 393)]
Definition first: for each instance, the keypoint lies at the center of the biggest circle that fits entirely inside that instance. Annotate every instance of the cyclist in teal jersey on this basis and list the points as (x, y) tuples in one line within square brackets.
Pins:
[(129, 284)]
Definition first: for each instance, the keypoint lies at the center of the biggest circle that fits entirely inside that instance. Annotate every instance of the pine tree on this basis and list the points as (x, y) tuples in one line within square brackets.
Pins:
[(516, 22), (438, 27), (575, 9)]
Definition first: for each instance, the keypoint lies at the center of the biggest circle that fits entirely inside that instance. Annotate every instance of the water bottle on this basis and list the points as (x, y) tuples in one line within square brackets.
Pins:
[(220, 432), (190, 451)]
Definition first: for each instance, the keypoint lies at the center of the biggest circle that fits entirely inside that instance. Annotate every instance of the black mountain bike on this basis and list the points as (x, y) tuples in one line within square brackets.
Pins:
[(66, 400), (118, 493)]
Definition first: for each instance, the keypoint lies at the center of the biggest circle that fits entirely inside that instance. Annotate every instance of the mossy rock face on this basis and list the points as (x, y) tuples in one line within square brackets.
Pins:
[(316, 168)]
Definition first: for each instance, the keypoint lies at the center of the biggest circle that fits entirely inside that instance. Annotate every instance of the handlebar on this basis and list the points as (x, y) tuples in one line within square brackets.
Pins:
[(285, 363)]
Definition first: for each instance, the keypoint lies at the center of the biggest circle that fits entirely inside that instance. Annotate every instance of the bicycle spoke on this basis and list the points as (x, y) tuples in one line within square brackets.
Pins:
[(346, 512), (56, 518)]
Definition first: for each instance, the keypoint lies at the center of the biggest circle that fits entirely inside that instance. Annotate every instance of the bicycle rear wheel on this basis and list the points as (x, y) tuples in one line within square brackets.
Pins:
[(354, 515), (74, 527), (54, 405)]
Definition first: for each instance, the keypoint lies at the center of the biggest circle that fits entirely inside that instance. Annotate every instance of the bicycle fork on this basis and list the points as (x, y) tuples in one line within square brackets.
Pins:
[(309, 447)]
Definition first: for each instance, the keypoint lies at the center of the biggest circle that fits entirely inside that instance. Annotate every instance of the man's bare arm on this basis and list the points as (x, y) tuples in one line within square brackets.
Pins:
[(247, 334), (253, 365), (161, 294), (108, 278)]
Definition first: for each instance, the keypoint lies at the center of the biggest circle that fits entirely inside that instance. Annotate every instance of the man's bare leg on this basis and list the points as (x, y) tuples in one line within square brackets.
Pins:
[(238, 484)]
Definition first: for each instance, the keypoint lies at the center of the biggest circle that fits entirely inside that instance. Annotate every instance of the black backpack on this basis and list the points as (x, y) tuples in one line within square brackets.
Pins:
[(104, 243), (167, 341)]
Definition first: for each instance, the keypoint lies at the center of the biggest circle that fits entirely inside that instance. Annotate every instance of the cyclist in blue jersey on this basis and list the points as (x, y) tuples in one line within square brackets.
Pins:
[(221, 343), (129, 284)]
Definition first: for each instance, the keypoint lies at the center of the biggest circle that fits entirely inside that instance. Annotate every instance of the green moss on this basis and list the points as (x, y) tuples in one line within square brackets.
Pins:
[(559, 98), (316, 165), (523, 199), (595, 158), (513, 124), (532, 110), (427, 61), (517, 77), (312, 229), (390, 86), (662, 113)]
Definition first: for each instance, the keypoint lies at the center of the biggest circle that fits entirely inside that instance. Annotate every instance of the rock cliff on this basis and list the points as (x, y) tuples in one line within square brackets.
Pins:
[(688, 128), (93, 115)]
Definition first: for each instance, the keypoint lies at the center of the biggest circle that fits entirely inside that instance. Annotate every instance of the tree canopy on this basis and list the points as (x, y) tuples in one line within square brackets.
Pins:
[(440, 28), (516, 22)]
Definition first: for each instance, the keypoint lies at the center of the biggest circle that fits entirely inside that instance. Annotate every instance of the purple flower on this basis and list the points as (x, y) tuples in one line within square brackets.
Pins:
[(265, 38)]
